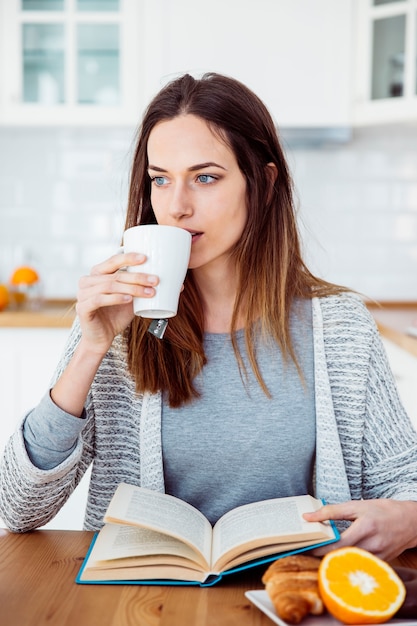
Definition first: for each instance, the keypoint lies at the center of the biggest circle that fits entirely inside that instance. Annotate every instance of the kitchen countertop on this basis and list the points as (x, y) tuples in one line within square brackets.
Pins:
[(52, 314), (393, 319)]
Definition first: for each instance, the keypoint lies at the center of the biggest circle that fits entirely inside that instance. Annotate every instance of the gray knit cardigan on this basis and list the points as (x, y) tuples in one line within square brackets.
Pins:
[(366, 446)]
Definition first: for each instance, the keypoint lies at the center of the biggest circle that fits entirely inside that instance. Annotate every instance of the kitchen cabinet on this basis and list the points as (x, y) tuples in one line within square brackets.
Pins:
[(28, 357), (69, 61), (27, 361), (321, 64), (386, 61), (296, 54)]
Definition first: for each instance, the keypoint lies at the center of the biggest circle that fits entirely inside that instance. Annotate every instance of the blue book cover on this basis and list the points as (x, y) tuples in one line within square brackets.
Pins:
[(211, 580), (154, 538)]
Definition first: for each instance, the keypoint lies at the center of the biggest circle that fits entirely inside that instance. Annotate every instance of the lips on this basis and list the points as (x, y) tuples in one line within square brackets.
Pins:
[(195, 235)]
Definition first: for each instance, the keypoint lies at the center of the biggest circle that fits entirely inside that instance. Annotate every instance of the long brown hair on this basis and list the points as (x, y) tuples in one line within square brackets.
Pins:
[(268, 256)]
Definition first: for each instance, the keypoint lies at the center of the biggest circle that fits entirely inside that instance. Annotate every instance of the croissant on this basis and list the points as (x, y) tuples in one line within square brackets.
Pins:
[(292, 585)]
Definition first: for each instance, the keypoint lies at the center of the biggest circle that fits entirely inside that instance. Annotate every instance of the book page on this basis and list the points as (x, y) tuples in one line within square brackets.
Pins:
[(162, 513), (115, 543), (227, 562), (269, 521)]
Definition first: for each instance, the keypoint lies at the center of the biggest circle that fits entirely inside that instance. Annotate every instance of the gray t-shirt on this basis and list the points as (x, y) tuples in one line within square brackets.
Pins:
[(231, 446), (234, 445)]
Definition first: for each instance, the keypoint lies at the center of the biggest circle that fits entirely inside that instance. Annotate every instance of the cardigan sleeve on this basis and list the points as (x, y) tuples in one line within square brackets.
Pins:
[(390, 439), (377, 437)]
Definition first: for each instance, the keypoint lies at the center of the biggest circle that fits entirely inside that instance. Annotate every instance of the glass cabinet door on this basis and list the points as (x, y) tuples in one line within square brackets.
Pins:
[(71, 62), (98, 57), (43, 5), (394, 49), (388, 57), (43, 61), (70, 52), (385, 66), (98, 5)]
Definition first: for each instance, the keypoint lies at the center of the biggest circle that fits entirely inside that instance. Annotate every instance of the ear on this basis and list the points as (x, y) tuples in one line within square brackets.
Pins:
[(271, 175), (271, 171)]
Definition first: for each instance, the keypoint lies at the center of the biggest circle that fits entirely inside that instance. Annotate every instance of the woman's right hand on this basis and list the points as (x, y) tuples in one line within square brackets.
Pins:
[(104, 301)]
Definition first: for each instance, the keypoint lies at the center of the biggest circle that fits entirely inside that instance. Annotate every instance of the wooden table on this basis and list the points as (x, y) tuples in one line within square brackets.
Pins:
[(37, 588)]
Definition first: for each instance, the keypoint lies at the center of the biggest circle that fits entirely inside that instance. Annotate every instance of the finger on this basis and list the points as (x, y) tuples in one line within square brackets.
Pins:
[(375, 544), (136, 278), (100, 301), (98, 298), (344, 511), (117, 261), (132, 284), (362, 534)]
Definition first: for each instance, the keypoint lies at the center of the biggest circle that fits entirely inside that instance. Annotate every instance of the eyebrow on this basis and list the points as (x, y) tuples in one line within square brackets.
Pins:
[(192, 168)]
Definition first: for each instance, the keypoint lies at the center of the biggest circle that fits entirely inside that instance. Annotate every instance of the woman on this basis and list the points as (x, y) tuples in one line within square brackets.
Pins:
[(269, 382)]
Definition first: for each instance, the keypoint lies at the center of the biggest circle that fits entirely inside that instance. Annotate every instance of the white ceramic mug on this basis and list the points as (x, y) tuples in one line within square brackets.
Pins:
[(167, 250)]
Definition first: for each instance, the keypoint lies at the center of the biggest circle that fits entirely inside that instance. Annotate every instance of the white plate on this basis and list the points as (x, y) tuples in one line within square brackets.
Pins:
[(261, 599)]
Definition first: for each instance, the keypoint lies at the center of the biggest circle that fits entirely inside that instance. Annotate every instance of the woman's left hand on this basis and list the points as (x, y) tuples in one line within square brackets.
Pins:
[(384, 527)]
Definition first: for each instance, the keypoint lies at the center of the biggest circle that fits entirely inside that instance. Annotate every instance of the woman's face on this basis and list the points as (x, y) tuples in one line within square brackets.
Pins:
[(197, 185)]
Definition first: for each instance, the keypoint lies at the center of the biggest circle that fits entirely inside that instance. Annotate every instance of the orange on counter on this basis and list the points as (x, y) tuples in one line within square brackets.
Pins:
[(359, 588), (24, 275), (22, 281), (4, 297)]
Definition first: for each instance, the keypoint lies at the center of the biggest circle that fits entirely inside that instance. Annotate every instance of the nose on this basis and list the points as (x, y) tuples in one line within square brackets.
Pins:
[(180, 204)]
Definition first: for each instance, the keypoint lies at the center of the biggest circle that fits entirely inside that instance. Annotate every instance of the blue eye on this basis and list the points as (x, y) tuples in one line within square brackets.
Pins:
[(159, 180), (206, 178)]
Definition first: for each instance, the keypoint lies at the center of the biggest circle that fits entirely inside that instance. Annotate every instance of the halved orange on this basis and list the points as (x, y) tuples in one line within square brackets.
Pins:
[(4, 297), (359, 588), (24, 275)]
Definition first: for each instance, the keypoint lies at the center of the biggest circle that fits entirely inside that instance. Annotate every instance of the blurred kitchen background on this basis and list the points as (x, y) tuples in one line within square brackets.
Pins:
[(340, 79)]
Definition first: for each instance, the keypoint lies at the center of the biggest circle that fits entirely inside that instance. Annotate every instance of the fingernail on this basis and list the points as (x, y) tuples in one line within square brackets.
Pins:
[(152, 280), (148, 291)]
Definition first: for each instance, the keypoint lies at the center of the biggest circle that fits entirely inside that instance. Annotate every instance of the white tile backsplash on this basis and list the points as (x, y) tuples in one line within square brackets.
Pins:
[(358, 207), (409, 196), (63, 194), (62, 200)]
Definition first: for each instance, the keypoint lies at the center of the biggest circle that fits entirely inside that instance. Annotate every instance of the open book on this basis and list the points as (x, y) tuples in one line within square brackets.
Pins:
[(151, 536)]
